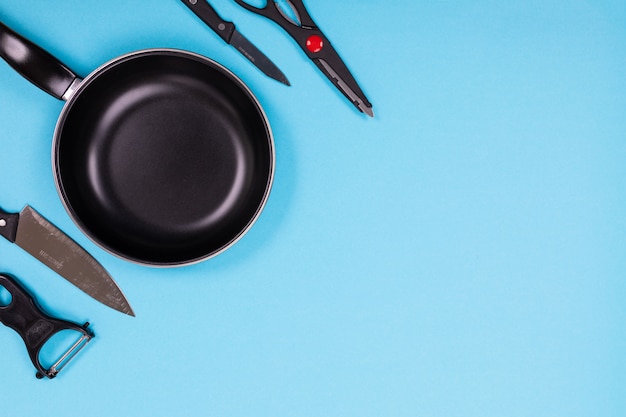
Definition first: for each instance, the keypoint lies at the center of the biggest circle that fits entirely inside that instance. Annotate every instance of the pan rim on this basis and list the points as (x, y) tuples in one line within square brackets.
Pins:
[(84, 84)]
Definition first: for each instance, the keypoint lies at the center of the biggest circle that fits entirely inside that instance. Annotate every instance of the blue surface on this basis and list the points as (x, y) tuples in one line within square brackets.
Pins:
[(461, 254)]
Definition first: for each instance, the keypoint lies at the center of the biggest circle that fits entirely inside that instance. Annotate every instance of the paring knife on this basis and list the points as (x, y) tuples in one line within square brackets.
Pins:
[(37, 236), (226, 30)]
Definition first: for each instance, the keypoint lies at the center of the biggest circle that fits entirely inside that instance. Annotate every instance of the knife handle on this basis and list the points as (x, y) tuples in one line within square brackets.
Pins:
[(8, 225), (208, 15), (22, 314)]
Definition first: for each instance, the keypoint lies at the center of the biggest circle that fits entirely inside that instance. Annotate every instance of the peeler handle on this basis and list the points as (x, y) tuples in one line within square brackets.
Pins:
[(22, 314)]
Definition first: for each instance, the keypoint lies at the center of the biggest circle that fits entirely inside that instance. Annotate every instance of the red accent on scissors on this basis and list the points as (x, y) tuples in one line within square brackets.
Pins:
[(314, 43)]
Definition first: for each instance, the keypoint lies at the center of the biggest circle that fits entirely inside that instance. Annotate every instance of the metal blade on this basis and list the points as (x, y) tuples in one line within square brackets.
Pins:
[(252, 53), (356, 100), (59, 252)]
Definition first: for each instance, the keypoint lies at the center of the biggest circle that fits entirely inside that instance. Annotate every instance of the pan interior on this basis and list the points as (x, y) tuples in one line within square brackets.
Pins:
[(164, 158)]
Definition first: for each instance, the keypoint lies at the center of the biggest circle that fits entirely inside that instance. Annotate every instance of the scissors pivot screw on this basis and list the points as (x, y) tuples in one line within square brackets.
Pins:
[(314, 43)]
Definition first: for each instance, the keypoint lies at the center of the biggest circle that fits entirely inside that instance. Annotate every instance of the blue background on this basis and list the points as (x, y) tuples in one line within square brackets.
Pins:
[(461, 254)]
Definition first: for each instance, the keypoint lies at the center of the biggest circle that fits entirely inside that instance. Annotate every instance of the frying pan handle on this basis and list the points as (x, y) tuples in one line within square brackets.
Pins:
[(35, 64)]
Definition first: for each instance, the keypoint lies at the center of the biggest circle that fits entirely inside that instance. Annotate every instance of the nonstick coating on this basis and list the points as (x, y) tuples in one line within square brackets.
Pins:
[(163, 157)]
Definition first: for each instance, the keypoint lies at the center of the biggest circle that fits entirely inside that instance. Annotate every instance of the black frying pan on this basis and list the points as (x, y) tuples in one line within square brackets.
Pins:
[(162, 157)]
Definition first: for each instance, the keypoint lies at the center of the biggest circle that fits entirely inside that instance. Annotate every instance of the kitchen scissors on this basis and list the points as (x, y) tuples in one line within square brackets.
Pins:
[(301, 27)]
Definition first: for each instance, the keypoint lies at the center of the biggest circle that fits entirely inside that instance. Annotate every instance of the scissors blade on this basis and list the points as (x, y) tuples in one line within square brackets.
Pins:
[(258, 58), (357, 99)]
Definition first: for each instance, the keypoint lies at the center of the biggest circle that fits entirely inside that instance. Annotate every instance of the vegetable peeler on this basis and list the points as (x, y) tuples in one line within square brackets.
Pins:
[(20, 312)]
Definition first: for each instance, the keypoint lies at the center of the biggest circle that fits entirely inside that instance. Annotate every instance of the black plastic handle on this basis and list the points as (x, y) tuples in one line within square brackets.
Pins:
[(23, 315), (272, 10), (208, 15), (300, 32), (8, 225), (34, 63)]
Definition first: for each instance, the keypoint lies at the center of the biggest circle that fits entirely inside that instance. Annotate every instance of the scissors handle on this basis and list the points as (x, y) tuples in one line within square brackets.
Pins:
[(302, 31), (272, 11)]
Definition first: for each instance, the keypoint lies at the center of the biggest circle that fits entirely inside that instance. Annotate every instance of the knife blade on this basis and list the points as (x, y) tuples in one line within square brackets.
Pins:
[(32, 232), (226, 30)]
